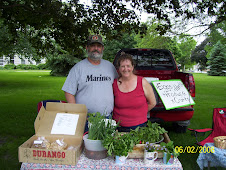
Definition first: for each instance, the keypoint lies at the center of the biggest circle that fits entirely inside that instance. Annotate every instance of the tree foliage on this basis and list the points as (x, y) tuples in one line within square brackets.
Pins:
[(111, 47), (152, 39), (186, 45), (199, 54), (202, 52), (181, 46), (69, 23), (5, 39), (47, 22), (217, 33), (60, 64), (217, 60)]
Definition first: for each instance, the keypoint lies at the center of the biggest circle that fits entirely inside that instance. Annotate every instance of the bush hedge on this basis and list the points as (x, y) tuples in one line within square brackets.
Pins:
[(25, 67), (42, 67), (10, 66)]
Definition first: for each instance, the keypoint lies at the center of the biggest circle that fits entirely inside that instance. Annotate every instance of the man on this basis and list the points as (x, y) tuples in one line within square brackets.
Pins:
[(90, 81)]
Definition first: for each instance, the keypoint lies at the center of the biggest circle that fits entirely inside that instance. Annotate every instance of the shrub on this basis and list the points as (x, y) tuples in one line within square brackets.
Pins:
[(21, 66), (60, 64), (32, 67), (27, 67), (10, 66), (42, 66)]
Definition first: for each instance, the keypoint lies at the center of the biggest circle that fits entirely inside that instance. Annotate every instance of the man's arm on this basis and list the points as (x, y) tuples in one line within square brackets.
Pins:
[(69, 97)]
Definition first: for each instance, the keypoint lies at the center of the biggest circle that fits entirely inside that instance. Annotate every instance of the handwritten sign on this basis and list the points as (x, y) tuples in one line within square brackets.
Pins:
[(173, 93), (65, 123)]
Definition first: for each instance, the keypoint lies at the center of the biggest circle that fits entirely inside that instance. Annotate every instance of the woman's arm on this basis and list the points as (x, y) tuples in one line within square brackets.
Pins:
[(149, 94)]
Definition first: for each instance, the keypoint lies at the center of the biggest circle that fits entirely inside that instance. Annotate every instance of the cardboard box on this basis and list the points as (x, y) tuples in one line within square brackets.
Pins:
[(138, 150), (43, 126)]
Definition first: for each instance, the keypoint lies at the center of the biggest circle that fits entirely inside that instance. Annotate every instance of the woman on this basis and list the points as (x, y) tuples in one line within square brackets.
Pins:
[(133, 96)]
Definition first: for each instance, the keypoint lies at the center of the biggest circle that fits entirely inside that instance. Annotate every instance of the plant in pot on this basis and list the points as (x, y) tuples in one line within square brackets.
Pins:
[(99, 128), (119, 146), (152, 133), (169, 152), (150, 152)]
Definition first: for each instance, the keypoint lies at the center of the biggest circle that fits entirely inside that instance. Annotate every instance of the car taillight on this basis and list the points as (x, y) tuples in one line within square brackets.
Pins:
[(192, 86)]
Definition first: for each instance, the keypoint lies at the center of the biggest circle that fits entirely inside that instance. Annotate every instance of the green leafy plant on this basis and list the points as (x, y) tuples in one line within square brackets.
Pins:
[(169, 149), (152, 133), (119, 145), (99, 128)]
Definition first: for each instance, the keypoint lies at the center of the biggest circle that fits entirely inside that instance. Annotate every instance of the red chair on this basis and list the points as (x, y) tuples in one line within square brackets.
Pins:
[(43, 103), (218, 127)]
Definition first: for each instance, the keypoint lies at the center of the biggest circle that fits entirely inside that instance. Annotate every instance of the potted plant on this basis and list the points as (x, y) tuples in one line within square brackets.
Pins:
[(152, 133), (150, 153), (169, 152), (119, 146), (99, 128)]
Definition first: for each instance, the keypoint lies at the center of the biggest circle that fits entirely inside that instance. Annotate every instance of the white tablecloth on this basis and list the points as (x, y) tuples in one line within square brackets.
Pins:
[(106, 164)]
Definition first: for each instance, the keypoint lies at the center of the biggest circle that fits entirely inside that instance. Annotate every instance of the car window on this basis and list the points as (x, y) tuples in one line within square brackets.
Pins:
[(157, 59)]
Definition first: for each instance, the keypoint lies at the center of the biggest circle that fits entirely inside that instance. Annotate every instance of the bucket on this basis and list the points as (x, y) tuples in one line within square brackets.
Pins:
[(94, 148)]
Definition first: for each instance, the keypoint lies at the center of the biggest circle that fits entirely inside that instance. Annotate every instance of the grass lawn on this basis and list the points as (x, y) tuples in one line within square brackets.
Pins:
[(21, 91)]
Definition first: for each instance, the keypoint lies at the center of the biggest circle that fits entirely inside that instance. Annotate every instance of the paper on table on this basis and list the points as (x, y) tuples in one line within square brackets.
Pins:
[(65, 123)]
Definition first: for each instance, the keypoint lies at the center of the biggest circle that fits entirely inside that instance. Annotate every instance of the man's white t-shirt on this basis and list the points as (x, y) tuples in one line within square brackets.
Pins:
[(92, 85)]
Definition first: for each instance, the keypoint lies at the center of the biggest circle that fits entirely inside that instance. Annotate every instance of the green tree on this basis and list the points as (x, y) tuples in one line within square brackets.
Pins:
[(217, 60), (60, 64), (173, 46), (152, 39), (42, 24), (111, 47), (69, 23), (186, 45), (217, 33), (181, 46), (202, 52), (22, 47), (5, 39), (199, 54), (60, 61)]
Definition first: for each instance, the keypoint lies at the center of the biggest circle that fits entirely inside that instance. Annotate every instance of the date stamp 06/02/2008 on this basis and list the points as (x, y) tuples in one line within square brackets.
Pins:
[(193, 149)]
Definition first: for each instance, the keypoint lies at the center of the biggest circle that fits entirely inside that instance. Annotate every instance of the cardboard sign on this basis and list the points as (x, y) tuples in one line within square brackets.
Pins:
[(173, 93)]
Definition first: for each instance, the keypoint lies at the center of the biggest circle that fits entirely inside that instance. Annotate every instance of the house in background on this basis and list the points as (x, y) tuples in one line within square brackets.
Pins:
[(17, 60)]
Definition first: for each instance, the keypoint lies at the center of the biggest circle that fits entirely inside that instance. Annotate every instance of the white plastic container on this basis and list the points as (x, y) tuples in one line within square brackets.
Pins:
[(93, 145), (94, 149)]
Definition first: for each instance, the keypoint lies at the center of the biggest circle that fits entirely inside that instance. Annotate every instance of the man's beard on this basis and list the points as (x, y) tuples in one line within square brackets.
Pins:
[(95, 56)]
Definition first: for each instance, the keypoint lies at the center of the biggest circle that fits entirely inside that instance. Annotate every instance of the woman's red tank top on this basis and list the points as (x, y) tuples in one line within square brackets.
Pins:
[(130, 108)]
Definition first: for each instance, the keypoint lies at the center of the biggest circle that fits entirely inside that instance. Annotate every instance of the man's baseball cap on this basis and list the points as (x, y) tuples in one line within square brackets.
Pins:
[(94, 39)]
